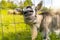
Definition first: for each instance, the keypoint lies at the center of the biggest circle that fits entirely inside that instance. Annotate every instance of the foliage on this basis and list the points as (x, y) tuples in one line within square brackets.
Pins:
[(45, 9), (26, 3), (5, 5), (9, 4)]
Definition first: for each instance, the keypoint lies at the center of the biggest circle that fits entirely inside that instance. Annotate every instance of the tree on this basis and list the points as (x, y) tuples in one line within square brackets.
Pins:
[(26, 3), (3, 4), (7, 4), (11, 5)]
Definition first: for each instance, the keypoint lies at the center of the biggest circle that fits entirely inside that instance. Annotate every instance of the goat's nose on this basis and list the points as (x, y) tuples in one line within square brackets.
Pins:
[(26, 14)]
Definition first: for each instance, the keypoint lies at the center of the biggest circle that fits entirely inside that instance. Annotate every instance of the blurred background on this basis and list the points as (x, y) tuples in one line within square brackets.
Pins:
[(13, 27)]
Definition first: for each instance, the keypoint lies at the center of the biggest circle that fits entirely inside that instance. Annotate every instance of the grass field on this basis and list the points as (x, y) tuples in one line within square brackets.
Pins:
[(12, 27)]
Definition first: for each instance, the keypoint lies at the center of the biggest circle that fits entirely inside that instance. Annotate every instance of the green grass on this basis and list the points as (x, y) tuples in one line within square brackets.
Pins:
[(12, 27)]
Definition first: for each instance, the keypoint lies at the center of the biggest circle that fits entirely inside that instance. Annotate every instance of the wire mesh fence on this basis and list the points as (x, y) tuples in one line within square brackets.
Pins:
[(12, 27)]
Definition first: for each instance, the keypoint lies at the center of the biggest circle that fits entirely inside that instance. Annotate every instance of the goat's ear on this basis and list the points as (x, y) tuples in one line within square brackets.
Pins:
[(39, 6), (19, 10)]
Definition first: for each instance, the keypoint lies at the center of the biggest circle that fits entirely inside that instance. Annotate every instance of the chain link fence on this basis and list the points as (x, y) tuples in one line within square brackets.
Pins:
[(12, 27)]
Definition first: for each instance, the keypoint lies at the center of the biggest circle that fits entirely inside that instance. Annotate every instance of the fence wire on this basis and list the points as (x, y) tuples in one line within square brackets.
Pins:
[(13, 29)]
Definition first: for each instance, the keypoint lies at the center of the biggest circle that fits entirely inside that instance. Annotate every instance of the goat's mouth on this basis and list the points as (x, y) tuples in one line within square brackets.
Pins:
[(28, 17)]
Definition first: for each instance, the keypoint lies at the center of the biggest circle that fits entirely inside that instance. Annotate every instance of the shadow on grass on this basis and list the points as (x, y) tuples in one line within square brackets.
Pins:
[(17, 36), (27, 36)]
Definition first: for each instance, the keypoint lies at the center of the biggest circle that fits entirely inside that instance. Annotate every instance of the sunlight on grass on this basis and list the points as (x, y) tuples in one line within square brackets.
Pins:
[(11, 24)]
